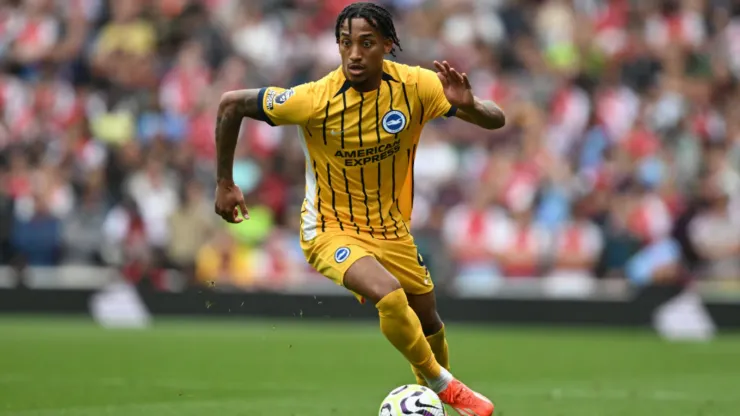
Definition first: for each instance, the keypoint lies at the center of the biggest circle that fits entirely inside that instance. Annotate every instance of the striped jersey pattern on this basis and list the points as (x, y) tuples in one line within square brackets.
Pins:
[(359, 147)]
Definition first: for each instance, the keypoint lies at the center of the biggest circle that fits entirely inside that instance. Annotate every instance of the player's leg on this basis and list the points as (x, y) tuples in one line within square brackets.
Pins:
[(460, 397), (351, 262), (425, 307), (398, 322), (401, 259), (405, 262)]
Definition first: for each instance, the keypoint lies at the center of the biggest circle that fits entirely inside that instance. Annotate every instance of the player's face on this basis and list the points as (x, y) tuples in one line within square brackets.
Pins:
[(362, 49)]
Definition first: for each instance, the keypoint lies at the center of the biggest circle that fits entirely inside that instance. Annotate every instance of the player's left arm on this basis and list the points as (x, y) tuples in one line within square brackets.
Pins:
[(483, 113), (459, 94)]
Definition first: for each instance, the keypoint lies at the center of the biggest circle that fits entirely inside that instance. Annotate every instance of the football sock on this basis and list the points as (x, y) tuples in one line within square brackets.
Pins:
[(402, 328), (438, 342)]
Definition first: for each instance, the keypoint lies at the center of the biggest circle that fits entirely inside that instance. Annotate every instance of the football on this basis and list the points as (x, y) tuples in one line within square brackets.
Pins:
[(412, 399)]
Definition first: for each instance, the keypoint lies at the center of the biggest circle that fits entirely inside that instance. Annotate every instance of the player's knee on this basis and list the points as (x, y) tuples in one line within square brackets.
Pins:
[(370, 279), (384, 287)]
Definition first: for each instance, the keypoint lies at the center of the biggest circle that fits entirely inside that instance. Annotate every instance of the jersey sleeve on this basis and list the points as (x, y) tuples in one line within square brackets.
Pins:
[(280, 107), (432, 96)]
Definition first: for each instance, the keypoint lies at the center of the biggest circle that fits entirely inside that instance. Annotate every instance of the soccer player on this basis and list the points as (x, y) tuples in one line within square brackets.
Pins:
[(359, 127)]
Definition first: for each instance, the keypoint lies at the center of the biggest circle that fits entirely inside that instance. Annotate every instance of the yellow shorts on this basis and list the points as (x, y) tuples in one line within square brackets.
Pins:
[(332, 254)]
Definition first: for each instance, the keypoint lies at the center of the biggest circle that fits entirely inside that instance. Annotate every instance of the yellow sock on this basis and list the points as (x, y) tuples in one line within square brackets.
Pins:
[(438, 343), (402, 328)]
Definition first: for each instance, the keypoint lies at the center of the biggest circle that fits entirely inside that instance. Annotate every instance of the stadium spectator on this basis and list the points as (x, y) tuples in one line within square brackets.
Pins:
[(467, 230), (36, 236), (189, 224), (125, 48), (578, 244), (520, 243), (715, 231), (83, 227), (6, 223), (224, 262)]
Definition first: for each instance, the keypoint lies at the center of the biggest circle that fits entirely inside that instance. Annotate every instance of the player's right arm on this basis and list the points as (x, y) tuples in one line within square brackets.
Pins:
[(234, 106), (275, 106)]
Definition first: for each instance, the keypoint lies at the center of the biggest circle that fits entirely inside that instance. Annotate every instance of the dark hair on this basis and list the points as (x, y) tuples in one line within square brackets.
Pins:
[(377, 16)]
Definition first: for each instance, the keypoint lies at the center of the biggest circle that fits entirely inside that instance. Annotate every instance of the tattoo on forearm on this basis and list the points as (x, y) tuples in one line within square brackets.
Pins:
[(490, 115), (231, 111), (228, 123), (491, 109), (250, 104)]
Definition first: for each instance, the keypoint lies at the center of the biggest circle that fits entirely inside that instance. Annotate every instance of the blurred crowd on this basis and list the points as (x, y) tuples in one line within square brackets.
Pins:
[(620, 157)]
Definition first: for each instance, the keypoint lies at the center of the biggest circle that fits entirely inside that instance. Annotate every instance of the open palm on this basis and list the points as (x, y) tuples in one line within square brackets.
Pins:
[(456, 86)]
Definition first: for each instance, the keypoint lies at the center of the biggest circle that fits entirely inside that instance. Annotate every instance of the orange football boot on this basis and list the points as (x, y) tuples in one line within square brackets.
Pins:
[(465, 401)]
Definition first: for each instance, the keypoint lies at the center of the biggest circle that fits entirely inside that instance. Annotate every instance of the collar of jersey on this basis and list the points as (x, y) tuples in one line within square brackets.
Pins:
[(346, 85)]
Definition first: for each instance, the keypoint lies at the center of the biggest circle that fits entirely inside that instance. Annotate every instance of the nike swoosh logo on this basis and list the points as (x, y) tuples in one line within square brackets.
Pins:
[(419, 404)]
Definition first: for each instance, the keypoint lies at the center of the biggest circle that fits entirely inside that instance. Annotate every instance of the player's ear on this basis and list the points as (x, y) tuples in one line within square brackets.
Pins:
[(387, 46)]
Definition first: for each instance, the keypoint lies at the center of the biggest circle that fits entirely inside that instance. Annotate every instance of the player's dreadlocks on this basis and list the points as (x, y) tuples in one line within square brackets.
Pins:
[(377, 16)]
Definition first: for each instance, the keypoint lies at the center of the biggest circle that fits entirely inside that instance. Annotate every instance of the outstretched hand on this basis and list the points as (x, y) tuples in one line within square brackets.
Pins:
[(229, 201), (456, 86)]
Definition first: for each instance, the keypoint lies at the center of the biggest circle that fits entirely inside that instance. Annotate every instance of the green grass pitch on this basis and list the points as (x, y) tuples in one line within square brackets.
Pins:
[(299, 368)]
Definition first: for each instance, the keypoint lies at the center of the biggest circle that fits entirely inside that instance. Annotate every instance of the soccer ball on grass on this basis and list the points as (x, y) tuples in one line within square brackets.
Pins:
[(412, 399)]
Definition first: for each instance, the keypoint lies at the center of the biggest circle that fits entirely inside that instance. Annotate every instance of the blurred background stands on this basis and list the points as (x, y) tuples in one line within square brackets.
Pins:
[(619, 160)]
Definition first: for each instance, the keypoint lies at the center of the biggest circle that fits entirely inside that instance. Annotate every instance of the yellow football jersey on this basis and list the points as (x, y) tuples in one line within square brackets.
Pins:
[(359, 147)]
